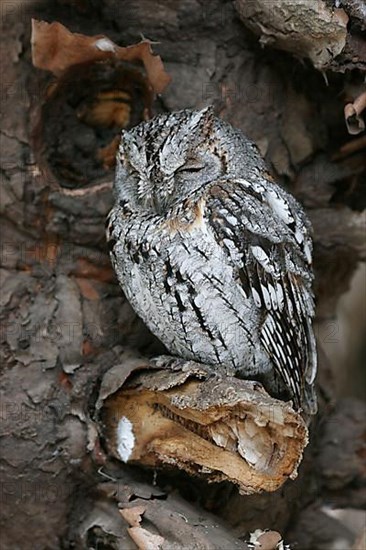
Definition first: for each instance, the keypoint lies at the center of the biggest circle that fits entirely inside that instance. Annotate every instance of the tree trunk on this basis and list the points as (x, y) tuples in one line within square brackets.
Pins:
[(65, 321)]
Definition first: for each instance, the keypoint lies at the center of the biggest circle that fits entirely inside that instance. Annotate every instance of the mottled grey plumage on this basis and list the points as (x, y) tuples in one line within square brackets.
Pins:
[(212, 255)]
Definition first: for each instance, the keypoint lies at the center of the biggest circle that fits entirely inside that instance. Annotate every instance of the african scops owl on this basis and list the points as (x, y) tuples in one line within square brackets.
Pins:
[(212, 254)]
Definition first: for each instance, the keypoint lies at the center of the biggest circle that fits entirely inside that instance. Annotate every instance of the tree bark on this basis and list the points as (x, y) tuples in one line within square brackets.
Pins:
[(65, 322)]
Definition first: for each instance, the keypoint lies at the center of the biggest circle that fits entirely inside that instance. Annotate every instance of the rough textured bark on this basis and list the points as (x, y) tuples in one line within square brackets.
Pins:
[(181, 414), (65, 321)]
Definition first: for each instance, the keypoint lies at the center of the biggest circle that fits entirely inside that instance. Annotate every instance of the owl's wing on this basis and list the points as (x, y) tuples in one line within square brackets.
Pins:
[(266, 236)]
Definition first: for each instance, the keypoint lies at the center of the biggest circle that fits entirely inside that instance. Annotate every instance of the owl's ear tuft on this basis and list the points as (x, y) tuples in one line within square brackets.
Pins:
[(128, 146), (122, 145), (126, 140), (208, 112), (202, 120)]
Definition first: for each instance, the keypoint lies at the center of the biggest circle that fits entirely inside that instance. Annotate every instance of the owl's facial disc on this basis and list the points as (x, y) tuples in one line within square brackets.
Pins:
[(168, 159)]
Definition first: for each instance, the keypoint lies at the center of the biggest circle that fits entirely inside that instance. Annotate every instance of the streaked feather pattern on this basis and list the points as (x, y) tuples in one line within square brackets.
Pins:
[(213, 256)]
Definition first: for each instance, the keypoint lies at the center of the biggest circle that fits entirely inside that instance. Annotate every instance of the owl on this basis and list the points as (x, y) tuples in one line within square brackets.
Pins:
[(213, 255)]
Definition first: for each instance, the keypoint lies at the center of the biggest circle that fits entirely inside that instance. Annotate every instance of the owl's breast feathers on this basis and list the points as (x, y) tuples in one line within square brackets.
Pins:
[(261, 237), (189, 216)]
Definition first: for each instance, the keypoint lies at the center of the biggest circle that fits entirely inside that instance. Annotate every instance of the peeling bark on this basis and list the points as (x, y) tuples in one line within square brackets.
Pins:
[(65, 322), (220, 428)]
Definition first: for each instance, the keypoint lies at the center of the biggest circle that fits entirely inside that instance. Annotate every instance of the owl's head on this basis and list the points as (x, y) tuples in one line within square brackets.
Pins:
[(169, 158)]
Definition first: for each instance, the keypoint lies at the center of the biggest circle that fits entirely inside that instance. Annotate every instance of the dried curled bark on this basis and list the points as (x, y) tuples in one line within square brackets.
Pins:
[(100, 89), (58, 280), (56, 49), (306, 28), (180, 414), (124, 514), (353, 115)]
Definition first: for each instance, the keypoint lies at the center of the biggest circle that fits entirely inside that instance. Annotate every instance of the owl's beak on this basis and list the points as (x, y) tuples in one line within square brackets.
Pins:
[(156, 204), (162, 192)]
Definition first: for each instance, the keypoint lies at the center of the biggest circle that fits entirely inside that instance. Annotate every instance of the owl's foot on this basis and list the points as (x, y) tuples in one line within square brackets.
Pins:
[(172, 363)]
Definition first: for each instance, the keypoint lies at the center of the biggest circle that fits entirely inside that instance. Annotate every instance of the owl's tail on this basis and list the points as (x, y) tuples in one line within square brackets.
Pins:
[(309, 401)]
